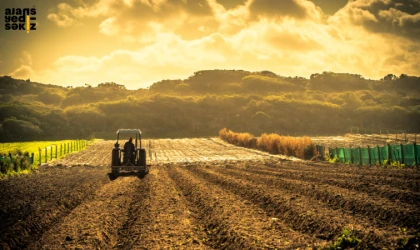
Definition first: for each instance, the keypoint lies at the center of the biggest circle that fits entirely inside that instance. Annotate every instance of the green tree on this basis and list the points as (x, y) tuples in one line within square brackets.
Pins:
[(19, 130)]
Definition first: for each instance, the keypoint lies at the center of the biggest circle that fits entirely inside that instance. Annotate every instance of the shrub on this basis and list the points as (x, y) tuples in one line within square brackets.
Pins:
[(347, 240), (238, 139), (301, 147), (15, 164)]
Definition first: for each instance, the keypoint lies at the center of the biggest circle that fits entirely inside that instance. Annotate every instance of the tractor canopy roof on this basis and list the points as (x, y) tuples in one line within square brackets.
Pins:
[(128, 131)]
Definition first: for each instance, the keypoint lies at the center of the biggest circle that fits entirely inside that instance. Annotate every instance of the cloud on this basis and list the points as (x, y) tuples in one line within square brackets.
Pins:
[(26, 58), (290, 38), (289, 48), (396, 17), (174, 38), (330, 7), (232, 20), (231, 4), (138, 20), (61, 20), (299, 9), (23, 72), (109, 27)]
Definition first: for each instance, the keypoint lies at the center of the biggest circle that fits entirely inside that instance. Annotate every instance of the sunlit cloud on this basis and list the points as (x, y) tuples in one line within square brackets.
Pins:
[(397, 17), (23, 72)]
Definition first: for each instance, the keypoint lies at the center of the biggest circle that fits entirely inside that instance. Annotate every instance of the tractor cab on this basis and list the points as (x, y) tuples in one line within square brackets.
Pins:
[(130, 157)]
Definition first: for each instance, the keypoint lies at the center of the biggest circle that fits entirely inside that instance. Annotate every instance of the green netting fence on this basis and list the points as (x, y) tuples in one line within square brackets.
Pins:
[(355, 153), (407, 154), (417, 154)]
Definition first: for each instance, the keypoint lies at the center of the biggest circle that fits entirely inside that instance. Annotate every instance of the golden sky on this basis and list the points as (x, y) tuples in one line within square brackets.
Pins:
[(138, 42)]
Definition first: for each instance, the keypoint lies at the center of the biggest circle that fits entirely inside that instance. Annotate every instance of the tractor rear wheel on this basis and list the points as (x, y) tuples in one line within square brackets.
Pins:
[(142, 160), (115, 157)]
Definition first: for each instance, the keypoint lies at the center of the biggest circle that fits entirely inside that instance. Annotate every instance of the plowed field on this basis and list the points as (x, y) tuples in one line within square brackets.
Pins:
[(207, 194)]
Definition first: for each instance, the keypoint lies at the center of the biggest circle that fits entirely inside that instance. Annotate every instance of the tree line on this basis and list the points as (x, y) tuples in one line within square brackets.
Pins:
[(255, 102)]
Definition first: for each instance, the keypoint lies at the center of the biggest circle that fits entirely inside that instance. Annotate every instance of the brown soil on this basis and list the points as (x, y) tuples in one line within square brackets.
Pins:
[(206, 194)]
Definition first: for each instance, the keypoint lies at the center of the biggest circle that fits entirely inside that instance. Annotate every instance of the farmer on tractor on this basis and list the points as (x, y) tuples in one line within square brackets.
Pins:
[(129, 151)]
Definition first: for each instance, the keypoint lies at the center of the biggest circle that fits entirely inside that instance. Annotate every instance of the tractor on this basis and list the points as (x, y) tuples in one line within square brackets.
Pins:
[(129, 158)]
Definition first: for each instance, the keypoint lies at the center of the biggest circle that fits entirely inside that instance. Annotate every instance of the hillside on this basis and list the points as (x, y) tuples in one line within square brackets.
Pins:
[(327, 103)]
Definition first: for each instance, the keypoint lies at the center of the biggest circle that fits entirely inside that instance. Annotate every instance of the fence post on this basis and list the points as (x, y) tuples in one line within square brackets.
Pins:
[(32, 158), (61, 149), (46, 156), (416, 160), (344, 153), (51, 152), (402, 153), (379, 154), (389, 154), (336, 152), (56, 151), (40, 157), (370, 160), (360, 156)]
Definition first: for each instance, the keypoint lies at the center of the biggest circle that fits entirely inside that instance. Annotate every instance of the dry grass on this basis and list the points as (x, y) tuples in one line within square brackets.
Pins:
[(301, 147), (239, 139)]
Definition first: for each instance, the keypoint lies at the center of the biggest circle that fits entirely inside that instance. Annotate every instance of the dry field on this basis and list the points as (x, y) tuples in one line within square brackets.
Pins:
[(207, 194)]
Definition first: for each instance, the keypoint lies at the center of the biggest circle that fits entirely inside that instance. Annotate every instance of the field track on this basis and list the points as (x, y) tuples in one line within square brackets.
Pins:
[(207, 194)]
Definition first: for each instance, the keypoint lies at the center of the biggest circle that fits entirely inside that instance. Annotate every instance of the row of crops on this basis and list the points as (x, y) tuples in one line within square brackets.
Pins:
[(398, 155), (25, 156)]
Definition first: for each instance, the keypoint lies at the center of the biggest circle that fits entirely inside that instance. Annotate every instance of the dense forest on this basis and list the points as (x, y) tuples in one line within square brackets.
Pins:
[(328, 103)]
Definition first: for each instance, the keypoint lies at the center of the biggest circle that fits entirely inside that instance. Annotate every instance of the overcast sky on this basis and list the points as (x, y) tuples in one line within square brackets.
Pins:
[(138, 42)]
